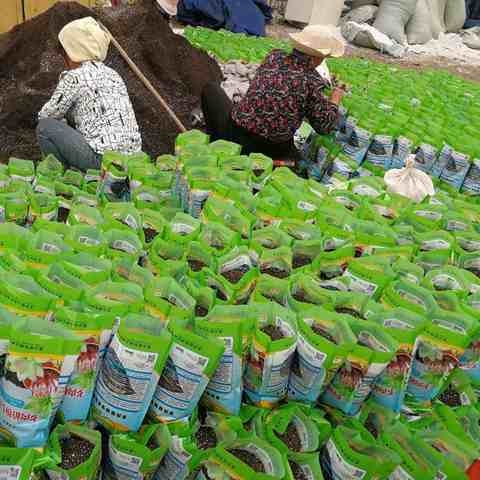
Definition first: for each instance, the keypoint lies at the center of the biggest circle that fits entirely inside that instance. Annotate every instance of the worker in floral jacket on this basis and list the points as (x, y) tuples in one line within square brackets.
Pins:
[(286, 90), (90, 111)]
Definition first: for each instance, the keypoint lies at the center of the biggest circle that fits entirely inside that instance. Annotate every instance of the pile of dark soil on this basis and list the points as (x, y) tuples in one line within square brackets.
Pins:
[(30, 64)]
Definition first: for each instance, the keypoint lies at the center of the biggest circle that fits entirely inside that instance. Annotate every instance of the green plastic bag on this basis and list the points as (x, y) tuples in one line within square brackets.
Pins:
[(129, 373), (87, 267), (50, 167), (271, 354), (330, 265), (63, 285), (270, 289), (182, 229), (76, 452), (324, 340), (165, 299), (84, 238), (21, 295), (153, 224), (191, 364), (405, 294), (18, 463), (305, 291), (44, 248), (304, 252), (353, 453), (166, 163), (82, 214), (20, 169), (452, 279), (270, 237), (304, 466), (264, 461), (137, 455), (165, 257), (290, 429), (123, 243), (91, 181), (127, 270), (14, 208), (116, 298), (44, 185), (192, 137), (39, 363), (262, 167), (408, 271), (121, 215), (198, 256), (458, 391), (219, 237), (276, 263)]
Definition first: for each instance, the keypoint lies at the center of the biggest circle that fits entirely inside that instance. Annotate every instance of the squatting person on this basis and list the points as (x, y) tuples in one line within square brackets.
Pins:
[(90, 111), (285, 90)]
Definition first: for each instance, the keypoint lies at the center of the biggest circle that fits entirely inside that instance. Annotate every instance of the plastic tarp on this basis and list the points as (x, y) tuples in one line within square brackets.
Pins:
[(238, 16)]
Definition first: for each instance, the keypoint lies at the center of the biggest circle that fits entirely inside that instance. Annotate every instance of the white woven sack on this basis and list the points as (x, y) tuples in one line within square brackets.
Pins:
[(409, 182)]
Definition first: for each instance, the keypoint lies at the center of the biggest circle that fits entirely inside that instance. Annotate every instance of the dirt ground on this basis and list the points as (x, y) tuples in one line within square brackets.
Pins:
[(417, 62)]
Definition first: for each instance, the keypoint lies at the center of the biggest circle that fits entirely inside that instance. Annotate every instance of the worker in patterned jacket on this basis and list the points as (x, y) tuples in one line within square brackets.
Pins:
[(90, 111), (287, 89)]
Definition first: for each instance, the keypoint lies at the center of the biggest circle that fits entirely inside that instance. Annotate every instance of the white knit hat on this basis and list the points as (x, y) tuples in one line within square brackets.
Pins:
[(84, 40), (319, 41)]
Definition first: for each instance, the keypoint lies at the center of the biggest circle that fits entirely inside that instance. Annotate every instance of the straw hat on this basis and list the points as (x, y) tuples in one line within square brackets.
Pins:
[(319, 41), (84, 40)]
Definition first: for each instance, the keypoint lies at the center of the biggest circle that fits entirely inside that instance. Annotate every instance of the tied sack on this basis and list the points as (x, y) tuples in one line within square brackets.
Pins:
[(409, 182)]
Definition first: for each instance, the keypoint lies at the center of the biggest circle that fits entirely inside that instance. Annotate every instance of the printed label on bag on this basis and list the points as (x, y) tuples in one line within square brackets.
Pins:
[(356, 284), (10, 472), (174, 465), (400, 474), (308, 207), (123, 465), (124, 246), (338, 467)]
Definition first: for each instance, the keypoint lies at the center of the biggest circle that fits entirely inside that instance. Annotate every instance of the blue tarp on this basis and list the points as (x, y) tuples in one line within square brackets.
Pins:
[(239, 16)]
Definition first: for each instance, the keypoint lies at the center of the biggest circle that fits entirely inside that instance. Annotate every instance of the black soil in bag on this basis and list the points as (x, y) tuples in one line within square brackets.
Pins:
[(30, 64), (75, 451)]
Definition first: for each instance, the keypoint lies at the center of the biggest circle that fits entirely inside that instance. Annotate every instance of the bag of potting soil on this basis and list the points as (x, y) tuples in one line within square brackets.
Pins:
[(276, 263), (13, 208), (328, 266), (91, 181), (416, 456), (118, 299), (470, 262), (403, 293), (234, 329), (303, 466), (21, 295), (182, 229), (438, 240), (455, 167), (82, 214), (50, 167), (199, 255), (452, 279), (11, 262), (270, 237), (425, 218), (114, 185), (471, 183), (44, 185), (84, 198), (248, 458), (306, 291), (191, 364), (271, 353), (350, 303), (224, 292), (73, 177), (434, 259), (123, 242), (63, 285), (129, 373), (357, 144), (462, 421), (370, 187), (290, 429), (239, 268), (135, 456), (352, 452), (438, 352), (219, 237), (270, 209), (192, 137), (425, 157), (75, 452), (13, 236), (457, 390), (54, 227), (84, 238), (137, 172), (468, 241), (153, 224), (324, 340), (95, 331), (19, 169), (166, 163), (262, 167), (405, 327), (127, 270), (402, 148), (270, 289), (300, 231), (380, 151), (165, 298), (90, 269), (165, 257), (123, 215), (363, 365), (456, 222), (44, 248), (40, 360), (368, 277)]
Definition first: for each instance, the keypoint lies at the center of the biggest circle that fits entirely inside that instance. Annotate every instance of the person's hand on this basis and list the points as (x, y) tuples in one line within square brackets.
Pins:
[(337, 95)]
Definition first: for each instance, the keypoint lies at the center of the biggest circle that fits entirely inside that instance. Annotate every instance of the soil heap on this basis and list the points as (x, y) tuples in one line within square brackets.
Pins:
[(30, 64)]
